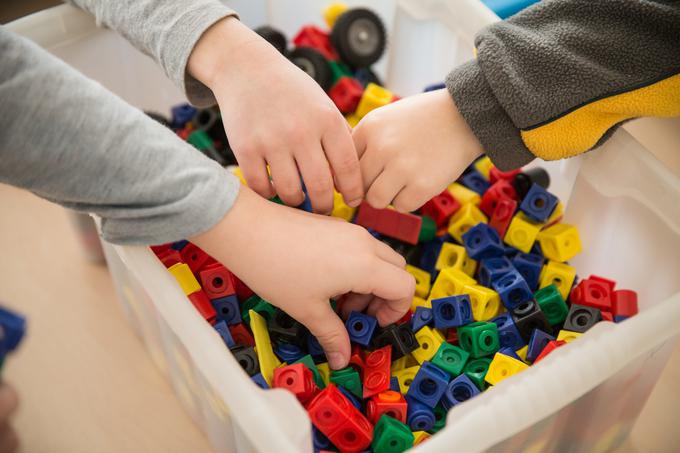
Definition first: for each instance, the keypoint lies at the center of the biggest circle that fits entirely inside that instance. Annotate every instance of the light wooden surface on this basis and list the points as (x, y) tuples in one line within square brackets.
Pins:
[(85, 381)]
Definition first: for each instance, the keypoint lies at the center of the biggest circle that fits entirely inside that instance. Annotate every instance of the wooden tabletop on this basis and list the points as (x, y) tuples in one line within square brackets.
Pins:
[(85, 381)]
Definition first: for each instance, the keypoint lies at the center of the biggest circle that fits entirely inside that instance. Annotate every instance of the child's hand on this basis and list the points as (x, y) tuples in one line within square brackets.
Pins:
[(9, 442), (298, 261), (412, 149), (275, 114)]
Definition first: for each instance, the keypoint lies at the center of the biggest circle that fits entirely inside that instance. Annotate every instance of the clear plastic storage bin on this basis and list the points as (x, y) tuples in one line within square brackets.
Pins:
[(582, 397)]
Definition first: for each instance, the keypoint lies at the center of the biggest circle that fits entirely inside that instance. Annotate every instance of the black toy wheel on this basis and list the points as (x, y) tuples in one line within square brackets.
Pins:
[(359, 37), (273, 37), (314, 64)]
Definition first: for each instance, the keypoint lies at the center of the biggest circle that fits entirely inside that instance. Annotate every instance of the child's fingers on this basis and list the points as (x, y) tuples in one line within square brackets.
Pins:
[(327, 327), (354, 302), (255, 173), (384, 189), (342, 156), (318, 180), (395, 286), (410, 198), (385, 312), (286, 179), (359, 139), (387, 253), (9, 401), (372, 165)]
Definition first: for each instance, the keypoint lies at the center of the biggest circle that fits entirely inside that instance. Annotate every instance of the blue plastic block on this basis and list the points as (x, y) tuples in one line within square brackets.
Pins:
[(452, 311), (508, 334), (511, 252), (538, 203), (394, 384), (227, 309), (474, 181), (179, 245), (313, 347), (529, 266), (259, 380), (536, 249), (419, 416), (434, 87), (431, 250), (459, 390), (320, 441), (374, 233), (493, 269), (483, 242), (366, 76), (350, 396), (429, 384), (422, 317), (222, 328), (506, 8), (509, 352), (512, 288), (537, 342), (13, 327), (618, 319), (288, 353), (182, 114), (360, 327)]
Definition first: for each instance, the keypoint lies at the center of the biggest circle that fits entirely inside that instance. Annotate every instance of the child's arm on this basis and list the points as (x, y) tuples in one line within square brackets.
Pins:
[(273, 113), (552, 82), (67, 139)]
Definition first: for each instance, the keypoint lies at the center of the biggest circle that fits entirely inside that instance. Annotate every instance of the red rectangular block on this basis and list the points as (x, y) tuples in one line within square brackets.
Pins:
[(592, 293), (316, 38), (395, 224), (502, 215), (624, 302), (202, 304), (170, 257), (495, 174), (377, 371), (441, 207), (346, 94)]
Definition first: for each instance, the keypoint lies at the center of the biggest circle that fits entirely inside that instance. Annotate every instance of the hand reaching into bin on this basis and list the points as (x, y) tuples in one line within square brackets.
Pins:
[(9, 401)]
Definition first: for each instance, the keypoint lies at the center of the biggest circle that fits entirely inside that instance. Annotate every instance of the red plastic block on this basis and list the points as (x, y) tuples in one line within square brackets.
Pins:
[(202, 303), (592, 293), (298, 379), (395, 98), (194, 257), (550, 347), (611, 284), (337, 419), (398, 225), (624, 302), (316, 38), (452, 336), (346, 94), (184, 133), (502, 215), (500, 190), (377, 371), (157, 249), (242, 290), (441, 207), (239, 332), (170, 257), (406, 318), (495, 174), (356, 359), (606, 316), (216, 281), (390, 403)]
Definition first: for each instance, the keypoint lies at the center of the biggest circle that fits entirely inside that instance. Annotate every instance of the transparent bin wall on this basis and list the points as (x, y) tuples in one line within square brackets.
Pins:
[(582, 397)]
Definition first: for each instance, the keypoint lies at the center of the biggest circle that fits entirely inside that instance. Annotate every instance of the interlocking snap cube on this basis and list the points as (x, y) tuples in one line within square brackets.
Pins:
[(560, 242), (429, 385), (538, 341), (450, 281), (508, 335), (452, 311), (512, 289), (421, 318), (529, 266), (463, 194), (559, 274), (297, 379), (450, 358), (500, 190), (474, 181), (429, 341), (538, 203), (441, 207), (581, 318), (527, 317), (422, 280), (361, 327), (552, 304), (492, 269), (482, 242), (391, 436), (479, 338), (466, 217), (458, 391), (485, 302), (455, 256), (502, 367), (419, 416), (476, 370), (522, 232), (389, 403), (374, 96)]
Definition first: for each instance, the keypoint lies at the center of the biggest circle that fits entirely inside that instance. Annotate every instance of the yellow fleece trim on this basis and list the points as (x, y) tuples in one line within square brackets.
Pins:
[(580, 130)]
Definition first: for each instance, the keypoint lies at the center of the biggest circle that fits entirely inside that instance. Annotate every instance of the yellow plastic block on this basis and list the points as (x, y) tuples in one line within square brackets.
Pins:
[(324, 371), (502, 367), (263, 346), (483, 166), (556, 215), (559, 274), (422, 280), (522, 352), (185, 278), (374, 96), (452, 255), (420, 437), (405, 377), (236, 171), (463, 194), (485, 302), (429, 340), (403, 363), (522, 232), (332, 12), (450, 282), (420, 302), (341, 209), (560, 242), (466, 217), (568, 335), (352, 119)]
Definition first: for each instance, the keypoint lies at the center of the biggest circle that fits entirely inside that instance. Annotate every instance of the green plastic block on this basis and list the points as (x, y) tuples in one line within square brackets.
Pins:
[(391, 436), (450, 358), (259, 305), (476, 370), (349, 379), (276, 200), (309, 363), (480, 339), (428, 229), (552, 304), (200, 140), (439, 418), (339, 69)]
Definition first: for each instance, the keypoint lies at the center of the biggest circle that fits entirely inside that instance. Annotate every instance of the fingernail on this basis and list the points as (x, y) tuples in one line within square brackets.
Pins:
[(336, 360), (354, 203)]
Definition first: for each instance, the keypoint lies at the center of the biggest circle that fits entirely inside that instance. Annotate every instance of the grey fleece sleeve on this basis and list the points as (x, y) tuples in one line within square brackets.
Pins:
[(69, 140), (556, 79), (166, 30)]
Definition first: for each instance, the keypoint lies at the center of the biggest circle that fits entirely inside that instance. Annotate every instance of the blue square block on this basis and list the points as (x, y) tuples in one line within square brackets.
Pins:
[(222, 328), (320, 441), (529, 266), (536, 249), (419, 416), (510, 353), (422, 317), (537, 342), (474, 181), (429, 384), (459, 390), (181, 114), (620, 318), (360, 327), (288, 353), (508, 334), (350, 396), (513, 289), (394, 384), (493, 269), (179, 245), (483, 242), (431, 250), (434, 87), (259, 380), (538, 203), (227, 309), (313, 347), (452, 311), (12, 328)]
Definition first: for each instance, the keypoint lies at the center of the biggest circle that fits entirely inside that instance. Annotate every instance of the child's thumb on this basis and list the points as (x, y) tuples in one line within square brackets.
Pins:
[(330, 331)]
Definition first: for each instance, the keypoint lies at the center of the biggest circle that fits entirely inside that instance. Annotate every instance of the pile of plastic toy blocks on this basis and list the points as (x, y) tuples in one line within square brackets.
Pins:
[(495, 293)]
